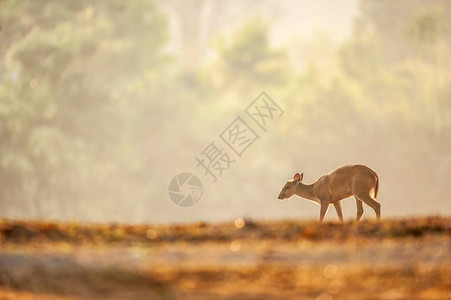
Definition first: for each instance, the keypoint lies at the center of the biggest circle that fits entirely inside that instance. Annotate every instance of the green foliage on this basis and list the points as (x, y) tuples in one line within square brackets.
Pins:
[(249, 60), (66, 69)]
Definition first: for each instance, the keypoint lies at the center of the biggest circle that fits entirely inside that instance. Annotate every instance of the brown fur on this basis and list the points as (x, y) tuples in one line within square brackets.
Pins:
[(346, 181)]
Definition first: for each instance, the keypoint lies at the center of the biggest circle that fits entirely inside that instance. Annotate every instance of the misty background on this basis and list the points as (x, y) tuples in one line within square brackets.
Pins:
[(103, 103)]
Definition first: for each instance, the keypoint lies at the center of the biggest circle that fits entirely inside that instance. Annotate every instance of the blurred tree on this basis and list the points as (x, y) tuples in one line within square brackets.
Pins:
[(401, 62), (67, 70), (248, 59), (430, 32)]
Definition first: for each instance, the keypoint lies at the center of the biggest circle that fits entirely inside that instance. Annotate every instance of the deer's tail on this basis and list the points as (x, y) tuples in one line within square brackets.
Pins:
[(376, 186)]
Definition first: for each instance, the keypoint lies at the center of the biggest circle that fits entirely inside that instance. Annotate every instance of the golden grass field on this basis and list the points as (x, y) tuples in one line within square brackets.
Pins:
[(245, 259)]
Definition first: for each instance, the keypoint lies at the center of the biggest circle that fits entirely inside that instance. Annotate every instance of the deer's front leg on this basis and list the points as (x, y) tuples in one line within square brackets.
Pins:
[(339, 209), (324, 207)]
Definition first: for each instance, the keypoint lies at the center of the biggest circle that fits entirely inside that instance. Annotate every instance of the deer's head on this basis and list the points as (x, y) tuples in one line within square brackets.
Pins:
[(289, 189)]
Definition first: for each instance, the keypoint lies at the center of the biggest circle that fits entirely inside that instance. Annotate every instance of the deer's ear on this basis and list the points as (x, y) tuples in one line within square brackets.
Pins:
[(302, 177), (297, 178)]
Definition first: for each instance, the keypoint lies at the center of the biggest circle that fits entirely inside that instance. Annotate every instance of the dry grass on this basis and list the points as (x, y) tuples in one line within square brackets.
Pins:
[(393, 259)]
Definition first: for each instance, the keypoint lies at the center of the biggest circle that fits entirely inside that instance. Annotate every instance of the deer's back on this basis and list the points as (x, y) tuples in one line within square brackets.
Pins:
[(341, 182)]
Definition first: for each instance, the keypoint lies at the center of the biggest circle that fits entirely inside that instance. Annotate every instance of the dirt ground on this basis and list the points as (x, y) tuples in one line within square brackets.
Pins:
[(245, 259)]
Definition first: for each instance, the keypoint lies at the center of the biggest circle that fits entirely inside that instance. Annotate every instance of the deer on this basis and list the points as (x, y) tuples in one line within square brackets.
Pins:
[(346, 181)]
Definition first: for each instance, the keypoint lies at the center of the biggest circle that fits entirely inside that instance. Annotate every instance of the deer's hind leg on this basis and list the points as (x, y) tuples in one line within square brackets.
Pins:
[(365, 197), (359, 205)]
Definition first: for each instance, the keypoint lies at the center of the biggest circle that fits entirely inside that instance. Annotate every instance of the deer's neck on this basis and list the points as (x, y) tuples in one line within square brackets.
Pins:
[(306, 191)]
